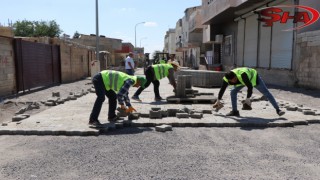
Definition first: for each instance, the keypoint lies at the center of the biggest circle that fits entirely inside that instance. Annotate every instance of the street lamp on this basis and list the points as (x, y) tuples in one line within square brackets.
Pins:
[(97, 31), (135, 33), (142, 39)]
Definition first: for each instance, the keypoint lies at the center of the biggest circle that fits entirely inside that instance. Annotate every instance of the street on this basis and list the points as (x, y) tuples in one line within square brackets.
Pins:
[(184, 153)]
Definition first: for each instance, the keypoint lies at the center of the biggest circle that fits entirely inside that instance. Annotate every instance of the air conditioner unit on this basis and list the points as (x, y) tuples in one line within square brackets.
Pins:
[(219, 38)]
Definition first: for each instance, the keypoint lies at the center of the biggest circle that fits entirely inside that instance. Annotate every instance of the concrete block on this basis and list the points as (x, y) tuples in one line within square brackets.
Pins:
[(20, 117), (181, 85), (172, 112), (155, 114), (55, 94), (163, 128), (182, 115), (196, 115), (309, 112), (291, 108), (207, 111), (164, 113), (156, 108)]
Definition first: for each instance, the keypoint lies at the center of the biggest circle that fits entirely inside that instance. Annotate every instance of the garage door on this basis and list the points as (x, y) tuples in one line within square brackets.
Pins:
[(264, 46), (251, 41), (282, 42), (240, 40)]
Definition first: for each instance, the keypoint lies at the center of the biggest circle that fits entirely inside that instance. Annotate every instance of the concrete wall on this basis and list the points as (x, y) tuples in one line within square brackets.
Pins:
[(7, 67), (75, 62), (307, 59)]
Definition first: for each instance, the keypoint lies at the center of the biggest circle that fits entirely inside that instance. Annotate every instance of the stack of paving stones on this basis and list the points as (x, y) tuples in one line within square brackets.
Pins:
[(203, 78), (185, 93)]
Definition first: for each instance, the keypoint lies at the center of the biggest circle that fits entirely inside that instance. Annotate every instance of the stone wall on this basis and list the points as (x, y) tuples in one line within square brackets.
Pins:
[(307, 60)]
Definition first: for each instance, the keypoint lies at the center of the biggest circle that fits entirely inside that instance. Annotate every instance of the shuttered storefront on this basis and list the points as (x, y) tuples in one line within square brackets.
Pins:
[(265, 47)]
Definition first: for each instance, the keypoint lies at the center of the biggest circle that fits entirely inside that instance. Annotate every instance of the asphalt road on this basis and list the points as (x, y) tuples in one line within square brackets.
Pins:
[(184, 153)]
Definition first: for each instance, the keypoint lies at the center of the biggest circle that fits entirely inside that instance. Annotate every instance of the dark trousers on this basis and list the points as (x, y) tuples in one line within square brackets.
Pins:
[(150, 79), (101, 92)]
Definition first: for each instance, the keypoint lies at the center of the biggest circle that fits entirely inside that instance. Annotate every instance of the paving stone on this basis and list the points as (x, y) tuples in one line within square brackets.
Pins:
[(309, 112), (20, 117), (21, 110), (291, 108), (196, 115), (163, 128), (164, 113), (133, 116), (156, 108), (207, 111), (172, 112), (182, 115), (55, 94), (155, 114), (50, 103)]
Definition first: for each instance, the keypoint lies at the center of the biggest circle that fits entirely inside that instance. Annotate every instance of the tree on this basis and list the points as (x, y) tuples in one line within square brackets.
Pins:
[(36, 28), (24, 28), (76, 35)]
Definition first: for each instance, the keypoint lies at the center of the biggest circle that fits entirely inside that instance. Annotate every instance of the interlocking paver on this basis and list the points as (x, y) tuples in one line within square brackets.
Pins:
[(71, 118)]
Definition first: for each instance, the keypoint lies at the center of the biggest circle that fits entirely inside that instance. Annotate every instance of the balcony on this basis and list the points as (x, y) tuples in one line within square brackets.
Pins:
[(218, 11), (195, 22)]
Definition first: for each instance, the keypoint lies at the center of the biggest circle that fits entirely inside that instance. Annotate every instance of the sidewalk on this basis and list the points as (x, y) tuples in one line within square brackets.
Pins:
[(71, 118)]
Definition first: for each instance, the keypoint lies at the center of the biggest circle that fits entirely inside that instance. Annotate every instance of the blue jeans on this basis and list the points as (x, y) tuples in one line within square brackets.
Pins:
[(130, 72), (261, 86), (101, 92)]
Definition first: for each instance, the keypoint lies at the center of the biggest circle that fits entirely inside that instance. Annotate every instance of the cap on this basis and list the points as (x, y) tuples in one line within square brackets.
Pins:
[(142, 80)]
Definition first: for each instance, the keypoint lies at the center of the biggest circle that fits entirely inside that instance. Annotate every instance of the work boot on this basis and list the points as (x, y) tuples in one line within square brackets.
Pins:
[(113, 119), (136, 98), (280, 113), (158, 98), (94, 122), (233, 113)]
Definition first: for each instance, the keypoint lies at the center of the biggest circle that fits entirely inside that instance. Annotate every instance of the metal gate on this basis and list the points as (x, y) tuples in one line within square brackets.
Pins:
[(37, 65)]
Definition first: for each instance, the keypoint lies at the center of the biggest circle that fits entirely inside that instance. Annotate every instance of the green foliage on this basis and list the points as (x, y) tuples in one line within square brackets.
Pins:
[(27, 28), (76, 35)]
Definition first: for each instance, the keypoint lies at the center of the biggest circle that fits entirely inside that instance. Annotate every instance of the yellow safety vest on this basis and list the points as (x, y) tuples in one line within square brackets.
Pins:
[(114, 80), (251, 73), (161, 70)]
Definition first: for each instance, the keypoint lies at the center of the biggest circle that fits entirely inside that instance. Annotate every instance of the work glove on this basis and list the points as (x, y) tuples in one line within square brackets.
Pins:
[(248, 101), (130, 110), (218, 105)]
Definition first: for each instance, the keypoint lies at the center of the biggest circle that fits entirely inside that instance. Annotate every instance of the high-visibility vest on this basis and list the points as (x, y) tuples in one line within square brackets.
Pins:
[(114, 80), (161, 70), (162, 61), (251, 73)]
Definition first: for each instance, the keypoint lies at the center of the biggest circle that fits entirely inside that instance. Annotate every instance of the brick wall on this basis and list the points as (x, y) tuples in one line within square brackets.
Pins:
[(307, 60)]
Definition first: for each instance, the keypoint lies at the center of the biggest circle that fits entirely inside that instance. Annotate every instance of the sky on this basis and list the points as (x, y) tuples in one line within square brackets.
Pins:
[(117, 19)]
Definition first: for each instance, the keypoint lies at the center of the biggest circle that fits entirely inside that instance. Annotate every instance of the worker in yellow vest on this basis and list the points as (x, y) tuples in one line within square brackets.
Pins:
[(153, 74), (239, 78), (115, 85)]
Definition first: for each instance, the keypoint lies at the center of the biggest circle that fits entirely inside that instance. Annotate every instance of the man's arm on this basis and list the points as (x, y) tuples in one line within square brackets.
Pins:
[(247, 83), (123, 93), (171, 78), (222, 89)]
